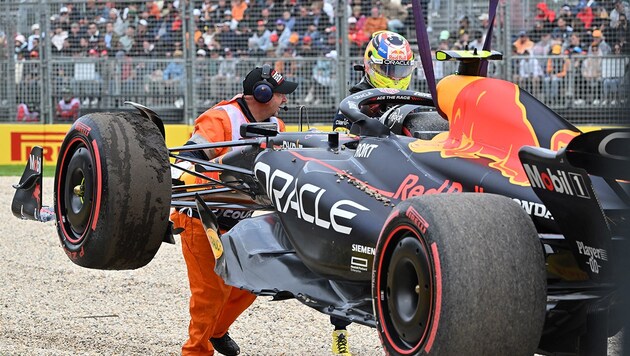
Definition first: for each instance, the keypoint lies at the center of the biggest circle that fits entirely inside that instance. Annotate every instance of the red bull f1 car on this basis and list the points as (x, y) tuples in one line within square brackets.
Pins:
[(504, 234), (501, 235)]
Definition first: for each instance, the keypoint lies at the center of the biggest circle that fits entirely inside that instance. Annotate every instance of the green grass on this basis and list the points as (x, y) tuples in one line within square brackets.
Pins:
[(16, 170)]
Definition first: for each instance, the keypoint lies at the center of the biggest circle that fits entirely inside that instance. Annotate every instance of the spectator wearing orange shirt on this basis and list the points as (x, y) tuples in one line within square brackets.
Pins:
[(238, 9), (523, 43), (376, 22), (557, 68), (153, 9)]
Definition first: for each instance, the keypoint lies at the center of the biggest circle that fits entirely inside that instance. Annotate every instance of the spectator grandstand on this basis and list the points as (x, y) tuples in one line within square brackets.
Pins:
[(181, 57)]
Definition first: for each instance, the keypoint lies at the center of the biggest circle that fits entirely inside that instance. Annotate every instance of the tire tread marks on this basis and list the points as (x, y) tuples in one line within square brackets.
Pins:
[(135, 193), (493, 281)]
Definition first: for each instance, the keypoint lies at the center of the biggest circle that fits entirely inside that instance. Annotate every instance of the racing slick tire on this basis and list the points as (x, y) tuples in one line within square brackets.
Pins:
[(424, 125), (112, 191), (459, 274)]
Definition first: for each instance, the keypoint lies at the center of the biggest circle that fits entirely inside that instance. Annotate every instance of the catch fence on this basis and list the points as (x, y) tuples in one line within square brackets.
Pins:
[(180, 61)]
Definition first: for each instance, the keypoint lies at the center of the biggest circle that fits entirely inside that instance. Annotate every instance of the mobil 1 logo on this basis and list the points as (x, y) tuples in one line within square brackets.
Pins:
[(557, 180)]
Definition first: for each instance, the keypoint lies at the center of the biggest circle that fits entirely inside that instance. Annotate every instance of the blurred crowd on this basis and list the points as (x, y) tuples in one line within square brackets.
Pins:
[(260, 28), (227, 31), (582, 18), (573, 56), (588, 50), (230, 31)]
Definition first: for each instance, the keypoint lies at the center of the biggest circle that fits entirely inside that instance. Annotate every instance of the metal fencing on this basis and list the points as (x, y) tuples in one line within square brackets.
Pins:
[(181, 61), (594, 89)]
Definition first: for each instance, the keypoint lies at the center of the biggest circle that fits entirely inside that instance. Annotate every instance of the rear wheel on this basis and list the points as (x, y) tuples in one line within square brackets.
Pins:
[(459, 274), (112, 191)]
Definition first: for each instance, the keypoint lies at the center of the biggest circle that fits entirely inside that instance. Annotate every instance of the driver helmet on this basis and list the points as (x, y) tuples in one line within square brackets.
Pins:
[(389, 61)]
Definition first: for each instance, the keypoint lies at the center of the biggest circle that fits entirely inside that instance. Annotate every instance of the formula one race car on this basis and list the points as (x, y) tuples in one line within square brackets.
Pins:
[(520, 258), (504, 235)]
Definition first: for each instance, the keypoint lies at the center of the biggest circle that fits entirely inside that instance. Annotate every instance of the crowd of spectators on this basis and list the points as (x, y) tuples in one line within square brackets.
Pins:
[(235, 31), (591, 43), (229, 30), (254, 28), (587, 48), (575, 56)]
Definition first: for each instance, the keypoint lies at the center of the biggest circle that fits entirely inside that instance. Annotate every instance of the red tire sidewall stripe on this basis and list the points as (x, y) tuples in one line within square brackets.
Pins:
[(438, 297), (62, 167), (379, 305), (97, 208)]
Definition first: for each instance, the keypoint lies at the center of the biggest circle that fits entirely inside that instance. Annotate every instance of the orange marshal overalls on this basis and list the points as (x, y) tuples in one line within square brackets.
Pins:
[(214, 306)]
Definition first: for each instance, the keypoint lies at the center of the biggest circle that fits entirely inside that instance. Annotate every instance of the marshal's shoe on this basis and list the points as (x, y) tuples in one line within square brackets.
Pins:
[(225, 345)]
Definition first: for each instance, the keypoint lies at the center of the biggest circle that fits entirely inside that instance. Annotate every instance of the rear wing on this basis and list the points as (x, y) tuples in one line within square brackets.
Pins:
[(469, 60), (468, 55), (586, 187), (27, 201)]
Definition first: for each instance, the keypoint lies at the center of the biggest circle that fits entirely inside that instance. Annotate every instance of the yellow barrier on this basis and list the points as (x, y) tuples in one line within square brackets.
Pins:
[(16, 140)]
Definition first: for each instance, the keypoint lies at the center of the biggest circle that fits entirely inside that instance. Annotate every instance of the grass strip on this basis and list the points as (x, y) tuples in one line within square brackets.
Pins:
[(16, 170)]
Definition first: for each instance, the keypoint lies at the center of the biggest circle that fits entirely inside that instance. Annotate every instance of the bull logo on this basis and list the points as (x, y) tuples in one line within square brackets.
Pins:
[(487, 121), (397, 54)]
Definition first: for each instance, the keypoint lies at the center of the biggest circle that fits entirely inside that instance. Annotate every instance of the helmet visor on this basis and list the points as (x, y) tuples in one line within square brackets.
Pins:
[(394, 69)]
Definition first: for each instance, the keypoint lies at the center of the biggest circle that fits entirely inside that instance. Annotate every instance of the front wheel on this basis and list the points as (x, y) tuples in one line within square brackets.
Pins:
[(112, 191), (459, 274)]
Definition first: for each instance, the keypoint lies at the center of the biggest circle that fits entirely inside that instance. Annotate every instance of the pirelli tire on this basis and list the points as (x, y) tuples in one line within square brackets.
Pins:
[(459, 274), (112, 191), (424, 125)]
